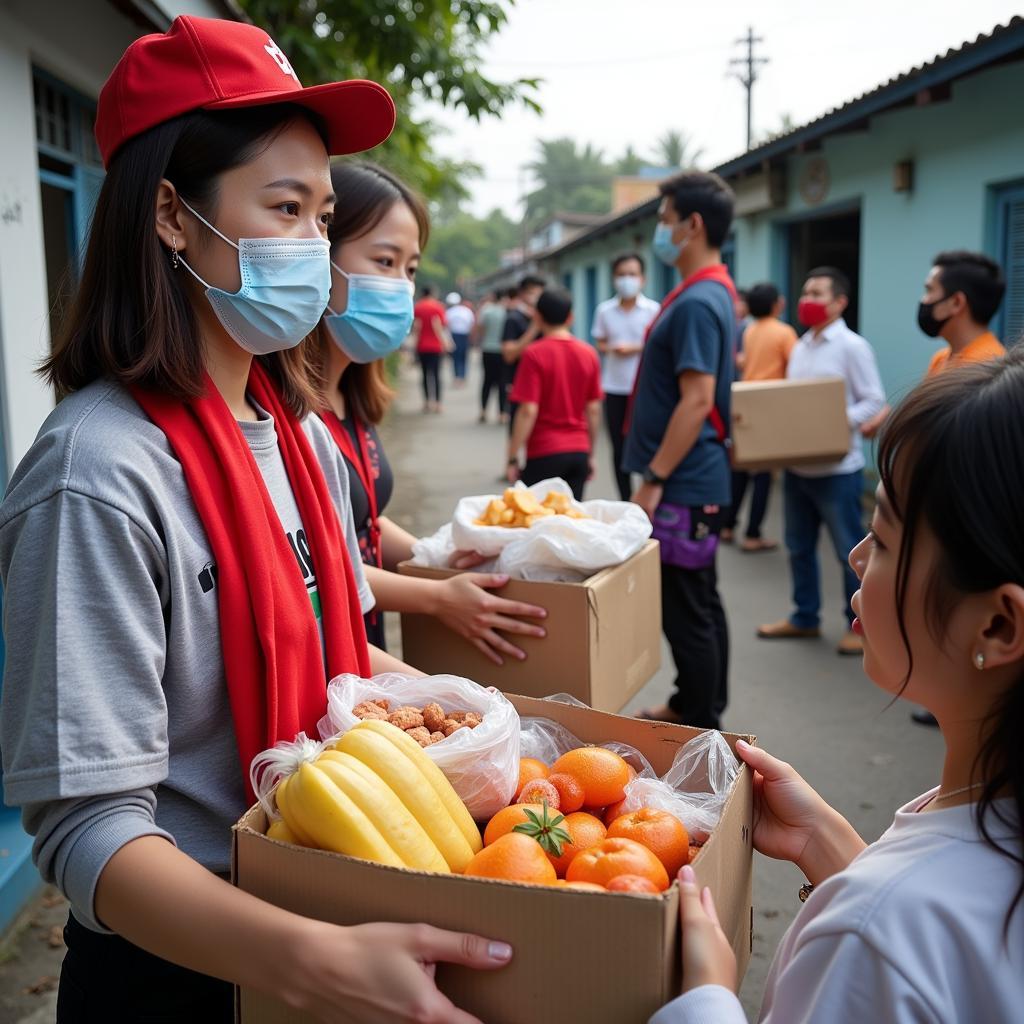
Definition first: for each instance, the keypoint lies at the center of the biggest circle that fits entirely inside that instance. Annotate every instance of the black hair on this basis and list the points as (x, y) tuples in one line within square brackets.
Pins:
[(426, 291), (131, 318), (950, 459), (530, 281), (761, 299), (702, 192), (554, 307), (510, 293), (839, 281), (624, 257), (980, 279)]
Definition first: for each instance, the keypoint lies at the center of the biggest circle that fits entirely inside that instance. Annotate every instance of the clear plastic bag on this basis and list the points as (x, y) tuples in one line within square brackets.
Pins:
[(269, 767), (556, 548), (482, 764)]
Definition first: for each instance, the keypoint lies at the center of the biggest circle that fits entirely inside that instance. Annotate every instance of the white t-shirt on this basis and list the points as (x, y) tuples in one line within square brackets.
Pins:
[(621, 328), (910, 933), (460, 319)]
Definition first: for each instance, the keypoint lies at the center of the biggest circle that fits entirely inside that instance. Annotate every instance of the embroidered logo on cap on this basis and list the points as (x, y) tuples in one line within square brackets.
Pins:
[(280, 59)]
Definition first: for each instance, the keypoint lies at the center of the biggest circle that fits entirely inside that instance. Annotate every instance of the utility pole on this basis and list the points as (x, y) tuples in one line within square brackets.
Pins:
[(747, 75)]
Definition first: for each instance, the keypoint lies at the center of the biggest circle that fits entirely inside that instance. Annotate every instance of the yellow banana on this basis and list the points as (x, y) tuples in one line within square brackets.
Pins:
[(368, 791), (412, 788), (333, 819), (282, 798), (437, 779), (279, 830)]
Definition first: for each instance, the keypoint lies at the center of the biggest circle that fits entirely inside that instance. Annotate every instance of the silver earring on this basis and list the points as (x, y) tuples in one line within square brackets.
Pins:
[(979, 661), (174, 253)]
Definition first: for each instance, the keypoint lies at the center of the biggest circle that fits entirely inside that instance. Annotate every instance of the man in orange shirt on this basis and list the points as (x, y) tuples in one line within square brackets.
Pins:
[(764, 355)]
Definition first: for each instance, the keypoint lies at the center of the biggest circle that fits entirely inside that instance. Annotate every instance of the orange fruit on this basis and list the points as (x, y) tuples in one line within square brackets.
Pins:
[(613, 812), (537, 791), (602, 774), (662, 833), (586, 831), (588, 886), (631, 883), (514, 857), (506, 819), (529, 769), (613, 857), (570, 792)]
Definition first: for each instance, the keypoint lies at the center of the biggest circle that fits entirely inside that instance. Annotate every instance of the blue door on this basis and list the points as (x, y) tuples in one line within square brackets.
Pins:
[(1009, 208)]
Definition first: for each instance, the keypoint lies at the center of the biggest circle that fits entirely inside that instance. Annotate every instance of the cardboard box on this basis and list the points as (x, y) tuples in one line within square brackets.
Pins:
[(602, 958), (603, 636), (778, 423)]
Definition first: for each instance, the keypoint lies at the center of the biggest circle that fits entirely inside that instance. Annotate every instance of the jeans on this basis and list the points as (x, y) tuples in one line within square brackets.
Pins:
[(459, 355), (615, 407), (494, 380), (430, 363), (809, 502), (758, 501), (572, 467)]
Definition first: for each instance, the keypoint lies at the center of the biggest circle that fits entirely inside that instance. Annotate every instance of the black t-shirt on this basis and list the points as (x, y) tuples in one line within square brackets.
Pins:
[(384, 485)]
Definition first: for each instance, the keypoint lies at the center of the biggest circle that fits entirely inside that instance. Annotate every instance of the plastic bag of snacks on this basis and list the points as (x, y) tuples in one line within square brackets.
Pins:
[(539, 533), (470, 732)]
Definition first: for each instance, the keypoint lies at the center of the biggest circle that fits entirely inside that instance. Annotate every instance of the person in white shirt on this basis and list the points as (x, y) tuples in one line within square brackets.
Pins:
[(829, 493), (620, 327), (925, 925), (460, 319)]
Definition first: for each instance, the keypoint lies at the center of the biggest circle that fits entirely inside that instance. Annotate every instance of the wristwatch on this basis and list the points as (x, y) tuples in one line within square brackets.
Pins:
[(650, 477)]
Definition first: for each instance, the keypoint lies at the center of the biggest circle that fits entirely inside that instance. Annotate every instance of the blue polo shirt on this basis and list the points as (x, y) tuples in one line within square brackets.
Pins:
[(694, 333)]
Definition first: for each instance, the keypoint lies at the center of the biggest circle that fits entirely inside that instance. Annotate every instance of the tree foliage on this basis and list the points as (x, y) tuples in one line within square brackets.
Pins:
[(568, 178), (677, 149), (418, 49), (462, 247)]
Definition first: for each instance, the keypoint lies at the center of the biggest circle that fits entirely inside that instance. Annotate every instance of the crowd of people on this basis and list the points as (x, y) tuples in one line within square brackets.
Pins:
[(196, 542)]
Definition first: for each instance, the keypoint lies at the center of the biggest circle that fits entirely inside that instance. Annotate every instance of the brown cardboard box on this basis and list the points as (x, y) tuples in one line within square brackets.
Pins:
[(602, 958), (603, 636), (778, 423)]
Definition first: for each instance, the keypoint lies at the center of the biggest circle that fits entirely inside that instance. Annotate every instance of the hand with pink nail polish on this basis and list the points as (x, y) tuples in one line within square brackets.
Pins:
[(708, 957)]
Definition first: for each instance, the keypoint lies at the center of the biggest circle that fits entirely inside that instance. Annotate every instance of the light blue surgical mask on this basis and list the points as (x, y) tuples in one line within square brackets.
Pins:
[(377, 317), (286, 284), (664, 248)]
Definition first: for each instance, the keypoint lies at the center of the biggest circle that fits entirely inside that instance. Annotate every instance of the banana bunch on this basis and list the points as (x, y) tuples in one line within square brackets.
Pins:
[(376, 795)]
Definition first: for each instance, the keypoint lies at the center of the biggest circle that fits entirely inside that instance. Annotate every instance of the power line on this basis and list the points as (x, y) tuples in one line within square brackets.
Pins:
[(748, 76)]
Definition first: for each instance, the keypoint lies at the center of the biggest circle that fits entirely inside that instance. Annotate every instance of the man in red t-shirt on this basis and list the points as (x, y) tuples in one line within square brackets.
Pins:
[(558, 391), (430, 333)]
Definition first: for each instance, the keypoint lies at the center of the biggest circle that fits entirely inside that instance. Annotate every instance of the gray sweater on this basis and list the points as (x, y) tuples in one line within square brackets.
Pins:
[(115, 721)]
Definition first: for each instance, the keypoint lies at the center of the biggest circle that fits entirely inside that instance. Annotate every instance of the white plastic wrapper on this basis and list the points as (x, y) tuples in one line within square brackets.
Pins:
[(269, 767), (482, 764), (556, 548)]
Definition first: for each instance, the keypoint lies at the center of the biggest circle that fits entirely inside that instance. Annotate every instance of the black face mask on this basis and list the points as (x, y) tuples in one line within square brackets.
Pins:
[(926, 318)]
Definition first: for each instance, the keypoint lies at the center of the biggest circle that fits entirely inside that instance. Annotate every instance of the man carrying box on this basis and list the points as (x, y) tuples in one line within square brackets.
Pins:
[(828, 493), (677, 439)]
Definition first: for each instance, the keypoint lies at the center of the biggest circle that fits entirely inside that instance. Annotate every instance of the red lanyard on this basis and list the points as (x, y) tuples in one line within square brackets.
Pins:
[(364, 469)]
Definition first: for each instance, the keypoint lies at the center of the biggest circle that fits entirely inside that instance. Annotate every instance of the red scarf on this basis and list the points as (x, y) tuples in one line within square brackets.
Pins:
[(717, 272), (269, 638)]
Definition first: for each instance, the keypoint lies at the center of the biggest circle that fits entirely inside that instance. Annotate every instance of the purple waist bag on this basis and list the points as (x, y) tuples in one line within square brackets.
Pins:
[(688, 535)]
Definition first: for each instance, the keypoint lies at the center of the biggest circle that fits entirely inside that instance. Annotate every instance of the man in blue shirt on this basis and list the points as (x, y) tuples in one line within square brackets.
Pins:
[(677, 439)]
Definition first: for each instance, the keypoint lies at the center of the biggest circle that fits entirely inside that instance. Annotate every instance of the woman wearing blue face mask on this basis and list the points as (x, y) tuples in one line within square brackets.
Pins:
[(376, 236)]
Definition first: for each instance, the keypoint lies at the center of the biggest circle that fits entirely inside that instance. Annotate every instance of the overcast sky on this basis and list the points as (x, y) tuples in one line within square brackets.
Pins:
[(623, 71)]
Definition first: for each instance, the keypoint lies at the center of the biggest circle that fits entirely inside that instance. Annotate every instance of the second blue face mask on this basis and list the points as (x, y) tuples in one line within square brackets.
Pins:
[(377, 317)]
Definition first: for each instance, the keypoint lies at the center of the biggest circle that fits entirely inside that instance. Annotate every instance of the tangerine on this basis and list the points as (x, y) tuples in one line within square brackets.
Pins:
[(585, 831), (631, 883), (537, 791), (602, 774), (515, 858), (529, 769), (506, 820), (588, 886), (614, 811), (570, 792), (662, 833), (618, 856)]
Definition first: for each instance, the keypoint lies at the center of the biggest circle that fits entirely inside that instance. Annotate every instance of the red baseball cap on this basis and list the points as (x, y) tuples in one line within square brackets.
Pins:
[(210, 64)]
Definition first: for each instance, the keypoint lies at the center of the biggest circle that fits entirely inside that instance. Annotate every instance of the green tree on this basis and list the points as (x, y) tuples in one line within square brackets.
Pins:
[(418, 49), (569, 178), (630, 162), (463, 247), (676, 149)]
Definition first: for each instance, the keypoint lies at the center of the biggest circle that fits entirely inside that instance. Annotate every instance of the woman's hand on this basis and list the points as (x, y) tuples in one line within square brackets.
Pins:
[(792, 822), (381, 973), (466, 607), (708, 957), (467, 560)]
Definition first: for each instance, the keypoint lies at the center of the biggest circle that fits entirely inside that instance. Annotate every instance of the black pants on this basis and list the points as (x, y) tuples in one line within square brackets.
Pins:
[(107, 980), (693, 621), (615, 407), (494, 380), (430, 363), (572, 467), (758, 501)]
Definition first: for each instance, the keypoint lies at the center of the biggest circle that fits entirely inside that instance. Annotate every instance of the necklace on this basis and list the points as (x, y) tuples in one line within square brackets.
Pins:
[(955, 792)]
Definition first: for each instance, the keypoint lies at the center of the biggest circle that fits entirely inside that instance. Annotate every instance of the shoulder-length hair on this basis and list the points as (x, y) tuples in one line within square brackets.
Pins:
[(366, 192), (131, 319)]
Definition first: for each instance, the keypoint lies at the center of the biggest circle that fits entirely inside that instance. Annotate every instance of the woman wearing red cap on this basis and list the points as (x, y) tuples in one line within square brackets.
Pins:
[(180, 569), (376, 235)]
